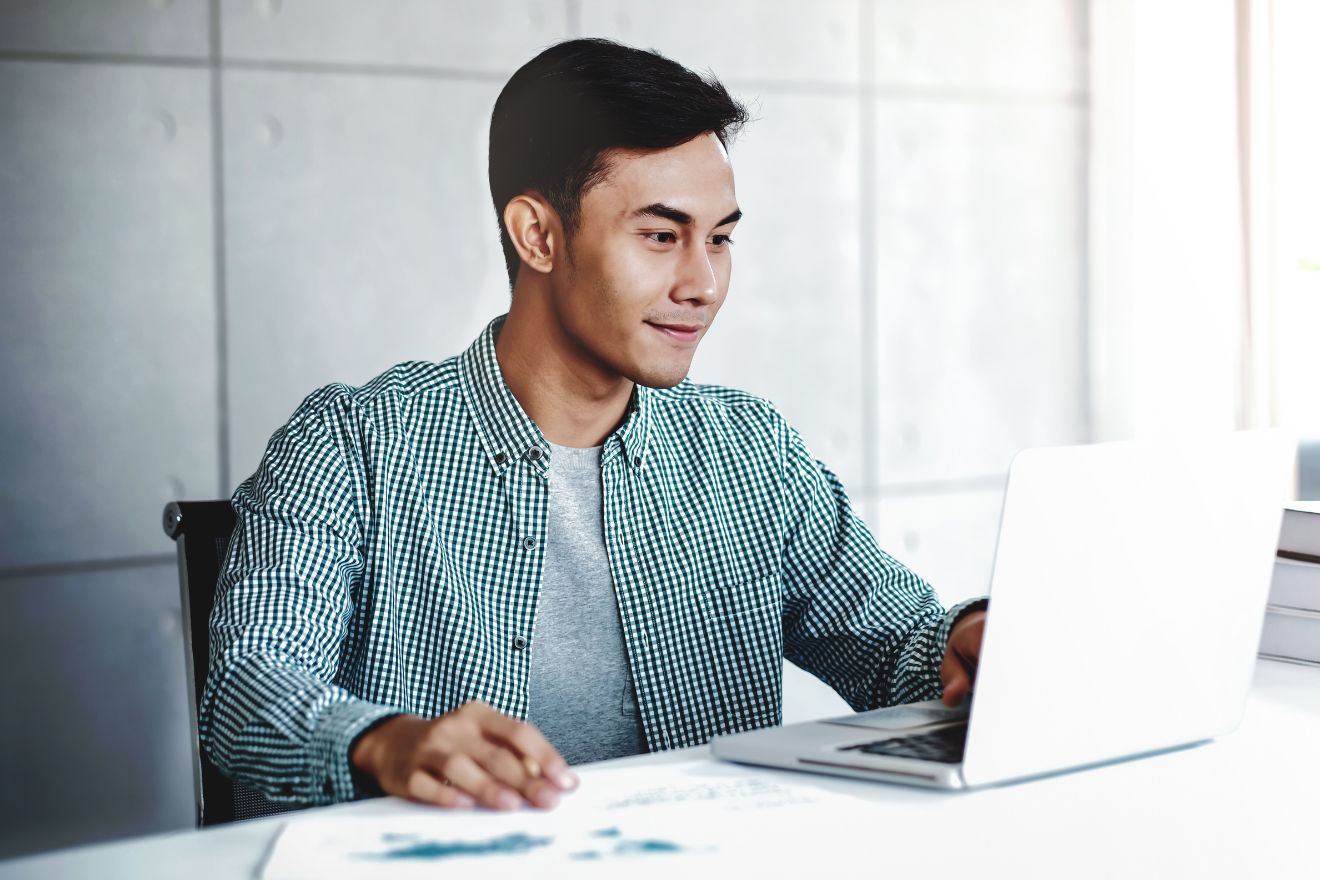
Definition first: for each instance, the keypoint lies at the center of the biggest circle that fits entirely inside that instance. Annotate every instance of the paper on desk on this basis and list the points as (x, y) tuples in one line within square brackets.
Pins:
[(703, 784), (639, 819)]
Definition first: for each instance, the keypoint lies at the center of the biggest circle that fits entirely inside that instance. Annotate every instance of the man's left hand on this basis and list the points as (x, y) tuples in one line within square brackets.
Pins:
[(958, 671)]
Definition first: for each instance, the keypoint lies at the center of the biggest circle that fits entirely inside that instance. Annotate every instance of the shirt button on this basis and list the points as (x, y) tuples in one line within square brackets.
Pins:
[(533, 454), (637, 462), (529, 543), (501, 458), (519, 643)]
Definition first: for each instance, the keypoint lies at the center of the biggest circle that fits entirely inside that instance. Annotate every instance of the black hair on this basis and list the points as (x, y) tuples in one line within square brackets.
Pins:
[(560, 113)]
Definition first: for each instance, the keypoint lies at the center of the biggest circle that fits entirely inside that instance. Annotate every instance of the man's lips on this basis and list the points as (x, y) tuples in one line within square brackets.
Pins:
[(679, 332)]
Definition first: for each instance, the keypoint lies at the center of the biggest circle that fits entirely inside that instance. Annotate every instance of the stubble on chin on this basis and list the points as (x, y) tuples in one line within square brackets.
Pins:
[(662, 377)]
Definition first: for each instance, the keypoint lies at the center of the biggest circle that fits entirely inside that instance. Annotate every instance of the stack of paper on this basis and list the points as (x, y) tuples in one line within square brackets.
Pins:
[(1292, 618)]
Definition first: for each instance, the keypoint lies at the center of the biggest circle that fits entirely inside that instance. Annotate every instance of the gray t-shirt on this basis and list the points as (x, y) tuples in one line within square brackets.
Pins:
[(580, 693)]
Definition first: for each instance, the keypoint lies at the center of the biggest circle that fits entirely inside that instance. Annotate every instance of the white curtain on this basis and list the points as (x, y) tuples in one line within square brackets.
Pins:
[(1169, 305)]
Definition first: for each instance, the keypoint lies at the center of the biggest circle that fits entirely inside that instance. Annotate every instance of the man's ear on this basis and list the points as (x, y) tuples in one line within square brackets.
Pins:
[(534, 229)]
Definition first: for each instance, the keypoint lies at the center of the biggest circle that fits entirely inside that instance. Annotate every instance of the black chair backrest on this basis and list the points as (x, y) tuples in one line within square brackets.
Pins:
[(201, 531)]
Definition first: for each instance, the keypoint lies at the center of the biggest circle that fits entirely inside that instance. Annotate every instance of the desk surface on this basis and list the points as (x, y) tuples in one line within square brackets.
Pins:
[(1244, 805)]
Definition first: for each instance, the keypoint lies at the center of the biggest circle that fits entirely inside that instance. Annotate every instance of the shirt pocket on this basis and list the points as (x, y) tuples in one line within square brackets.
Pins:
[(744, 652), (747, 598)]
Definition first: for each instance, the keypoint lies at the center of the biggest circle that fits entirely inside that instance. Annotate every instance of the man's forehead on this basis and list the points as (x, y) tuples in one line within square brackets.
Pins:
[(718, 144), (694, 178)]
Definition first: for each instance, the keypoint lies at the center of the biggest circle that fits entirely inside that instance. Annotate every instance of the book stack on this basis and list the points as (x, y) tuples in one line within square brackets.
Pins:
[(1292, 617)]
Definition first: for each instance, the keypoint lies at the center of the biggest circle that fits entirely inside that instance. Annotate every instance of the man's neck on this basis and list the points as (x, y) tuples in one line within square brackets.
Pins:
[(570, 398)]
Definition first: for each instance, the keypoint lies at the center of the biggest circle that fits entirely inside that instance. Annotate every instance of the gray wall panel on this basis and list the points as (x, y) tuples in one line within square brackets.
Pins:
[(359, 234), (95, 741), (453, 34), (980, 325), (777, 40), (1020, 45), (107, 335), (150, 28), (791, 327)]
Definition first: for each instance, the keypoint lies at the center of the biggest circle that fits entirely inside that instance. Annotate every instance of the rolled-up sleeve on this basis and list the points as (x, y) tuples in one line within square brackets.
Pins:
[(272, 716), (854, 616)]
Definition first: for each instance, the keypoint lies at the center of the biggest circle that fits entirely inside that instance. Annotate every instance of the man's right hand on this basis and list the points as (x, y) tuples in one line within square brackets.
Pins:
[(485, 758)]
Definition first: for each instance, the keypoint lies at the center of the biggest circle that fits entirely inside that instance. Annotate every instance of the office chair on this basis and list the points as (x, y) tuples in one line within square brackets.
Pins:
[(201, 531)]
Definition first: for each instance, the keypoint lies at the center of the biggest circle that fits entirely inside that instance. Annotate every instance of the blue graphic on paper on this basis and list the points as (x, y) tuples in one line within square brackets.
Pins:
[(625, 847), (410, 846), (419, 848)]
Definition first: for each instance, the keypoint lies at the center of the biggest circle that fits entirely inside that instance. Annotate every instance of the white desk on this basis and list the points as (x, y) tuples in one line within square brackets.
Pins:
[(1247, 805)]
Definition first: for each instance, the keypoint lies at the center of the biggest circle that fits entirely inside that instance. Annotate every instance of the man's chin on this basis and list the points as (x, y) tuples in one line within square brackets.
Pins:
[(661, 378)]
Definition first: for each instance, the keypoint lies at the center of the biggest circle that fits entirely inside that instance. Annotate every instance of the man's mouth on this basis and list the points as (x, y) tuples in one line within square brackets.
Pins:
[(682, 333)]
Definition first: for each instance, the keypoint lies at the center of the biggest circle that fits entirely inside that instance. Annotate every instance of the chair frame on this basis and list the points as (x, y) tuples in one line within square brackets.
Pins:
[(201, 531)]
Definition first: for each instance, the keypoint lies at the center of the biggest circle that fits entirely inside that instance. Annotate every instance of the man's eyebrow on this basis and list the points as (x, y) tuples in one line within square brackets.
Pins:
[(682, 218), (664, 212)]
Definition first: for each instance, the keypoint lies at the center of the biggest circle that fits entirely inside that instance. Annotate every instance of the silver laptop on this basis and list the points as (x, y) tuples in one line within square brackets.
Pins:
[(1127, 597)]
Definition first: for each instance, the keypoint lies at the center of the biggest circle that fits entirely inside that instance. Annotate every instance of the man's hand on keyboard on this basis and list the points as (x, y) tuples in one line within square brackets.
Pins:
[(469, 756), (958, 671)]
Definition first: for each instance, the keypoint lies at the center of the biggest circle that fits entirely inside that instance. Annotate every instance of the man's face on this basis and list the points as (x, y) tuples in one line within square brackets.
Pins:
[(649, 263)]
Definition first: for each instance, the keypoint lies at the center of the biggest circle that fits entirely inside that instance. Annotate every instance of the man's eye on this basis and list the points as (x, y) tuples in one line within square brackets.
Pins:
[(721, 240), (662, 237)]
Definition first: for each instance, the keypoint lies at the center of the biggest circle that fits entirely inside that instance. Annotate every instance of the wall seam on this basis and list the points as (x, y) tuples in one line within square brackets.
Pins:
[(1087, 402), (219, 277), (867, 225), (85, 566), (950, 94), (110, 58)]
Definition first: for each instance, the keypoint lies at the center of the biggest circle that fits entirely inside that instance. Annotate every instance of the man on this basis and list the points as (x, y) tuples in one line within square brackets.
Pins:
[(457, 580)]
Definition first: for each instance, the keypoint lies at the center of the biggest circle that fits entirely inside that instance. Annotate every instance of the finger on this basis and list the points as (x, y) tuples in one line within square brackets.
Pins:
[(968, 638), (529, 742), (949, 667), (466, 775), (956, 690), (507, 768), (967, 659), (954, 679), (426, 789)]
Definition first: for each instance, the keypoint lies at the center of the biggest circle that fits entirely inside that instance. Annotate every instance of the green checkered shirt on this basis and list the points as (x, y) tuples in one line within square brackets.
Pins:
[(389, 550)]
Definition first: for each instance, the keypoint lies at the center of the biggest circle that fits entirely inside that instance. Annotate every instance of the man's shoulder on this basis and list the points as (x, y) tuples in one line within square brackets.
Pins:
[(410, 380), (690, 393), (398, 387), (690, 403)]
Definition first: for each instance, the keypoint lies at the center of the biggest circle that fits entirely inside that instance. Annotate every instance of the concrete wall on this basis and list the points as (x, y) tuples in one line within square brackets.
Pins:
[(211, 208)]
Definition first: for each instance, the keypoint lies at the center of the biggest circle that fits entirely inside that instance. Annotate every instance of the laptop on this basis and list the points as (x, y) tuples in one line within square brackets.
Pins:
[(1126, 603)]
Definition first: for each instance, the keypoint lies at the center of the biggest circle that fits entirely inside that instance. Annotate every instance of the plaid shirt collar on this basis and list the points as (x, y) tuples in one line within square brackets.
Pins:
[(508, 434)]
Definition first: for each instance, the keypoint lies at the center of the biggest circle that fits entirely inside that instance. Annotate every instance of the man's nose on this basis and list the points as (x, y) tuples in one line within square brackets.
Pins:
[(696, 282)]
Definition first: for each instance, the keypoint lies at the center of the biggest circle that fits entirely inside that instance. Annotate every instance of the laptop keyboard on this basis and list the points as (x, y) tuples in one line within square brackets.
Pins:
[(944, 745)]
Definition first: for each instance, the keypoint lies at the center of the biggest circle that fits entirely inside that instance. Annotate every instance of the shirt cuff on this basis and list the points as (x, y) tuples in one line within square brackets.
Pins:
[(951, 618), (333, 778)]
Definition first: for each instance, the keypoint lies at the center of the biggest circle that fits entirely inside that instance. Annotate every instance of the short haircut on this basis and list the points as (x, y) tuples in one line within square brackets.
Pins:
[(560, 113)]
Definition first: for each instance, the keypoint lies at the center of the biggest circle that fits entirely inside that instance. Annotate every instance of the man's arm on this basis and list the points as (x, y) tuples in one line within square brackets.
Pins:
[(271, 716), (853, 615)]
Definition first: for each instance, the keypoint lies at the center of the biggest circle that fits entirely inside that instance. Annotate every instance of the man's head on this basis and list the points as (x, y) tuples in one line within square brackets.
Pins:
[(612, 185)]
